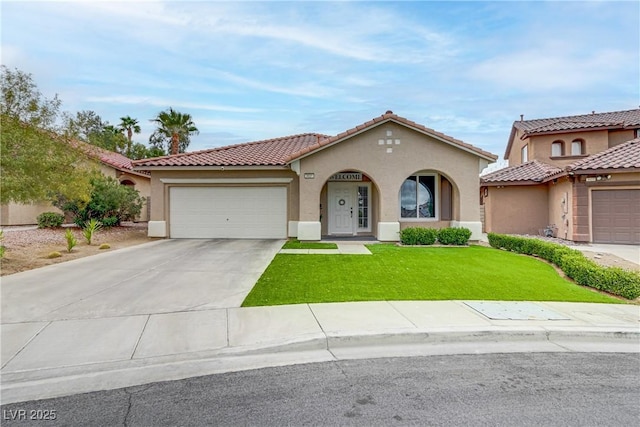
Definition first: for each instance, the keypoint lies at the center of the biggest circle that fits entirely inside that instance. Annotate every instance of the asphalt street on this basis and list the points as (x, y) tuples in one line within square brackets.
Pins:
[(523, 389)]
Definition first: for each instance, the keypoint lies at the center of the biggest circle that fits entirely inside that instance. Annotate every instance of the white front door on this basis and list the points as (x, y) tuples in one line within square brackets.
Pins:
[(342, 196)]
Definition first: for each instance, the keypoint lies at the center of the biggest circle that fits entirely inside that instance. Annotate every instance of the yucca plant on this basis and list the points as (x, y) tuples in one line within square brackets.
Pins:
[(71, 240), (90, 228)]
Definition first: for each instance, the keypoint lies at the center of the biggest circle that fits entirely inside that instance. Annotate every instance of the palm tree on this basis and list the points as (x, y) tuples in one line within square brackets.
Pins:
[(131, 126), (175, 127)]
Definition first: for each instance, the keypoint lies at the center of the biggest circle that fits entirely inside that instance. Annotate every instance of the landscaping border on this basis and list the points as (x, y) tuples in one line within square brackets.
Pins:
[(574, 264)]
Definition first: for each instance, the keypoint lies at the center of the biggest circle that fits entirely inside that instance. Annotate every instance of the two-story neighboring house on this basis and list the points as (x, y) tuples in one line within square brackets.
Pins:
[(577, 177)]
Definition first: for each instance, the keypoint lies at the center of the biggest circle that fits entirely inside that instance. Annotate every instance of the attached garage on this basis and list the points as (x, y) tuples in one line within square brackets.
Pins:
[(228, 212), (616, 216)]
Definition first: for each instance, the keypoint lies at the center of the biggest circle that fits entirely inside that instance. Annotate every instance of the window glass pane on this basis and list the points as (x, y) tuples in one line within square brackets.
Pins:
[(408, 200), (363, 207), (576, 148), (556, 149), (525, 154), (426, 190)]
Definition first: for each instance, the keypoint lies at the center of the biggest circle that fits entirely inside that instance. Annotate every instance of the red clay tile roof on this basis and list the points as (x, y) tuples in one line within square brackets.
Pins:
[(280, 151), (270, 152), (623, 156), (110, 158), (533, 171), (611, 120)]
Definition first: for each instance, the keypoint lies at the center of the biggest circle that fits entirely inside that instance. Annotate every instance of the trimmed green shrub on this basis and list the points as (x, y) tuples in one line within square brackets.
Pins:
[(2, 248), (90, 228), (50, 220), (454, 236), (574, 264), (110, 221), (71, 240), (418, 236)]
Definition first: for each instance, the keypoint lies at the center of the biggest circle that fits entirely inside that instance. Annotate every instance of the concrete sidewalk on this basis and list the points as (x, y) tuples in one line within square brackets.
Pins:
[(63, 357)]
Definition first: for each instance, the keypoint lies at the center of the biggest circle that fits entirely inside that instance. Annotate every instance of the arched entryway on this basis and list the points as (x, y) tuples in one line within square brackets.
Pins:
[(349, 205)]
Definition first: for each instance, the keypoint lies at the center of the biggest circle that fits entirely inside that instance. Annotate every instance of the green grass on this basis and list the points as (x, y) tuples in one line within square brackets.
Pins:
[(296, 244), (404, 273)]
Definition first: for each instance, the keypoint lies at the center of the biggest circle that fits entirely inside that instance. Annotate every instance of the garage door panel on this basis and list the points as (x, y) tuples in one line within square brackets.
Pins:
[(228, 212), (616, 216)]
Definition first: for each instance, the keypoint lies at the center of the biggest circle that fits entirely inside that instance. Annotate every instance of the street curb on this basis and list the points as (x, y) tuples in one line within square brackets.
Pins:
[(56, 382)]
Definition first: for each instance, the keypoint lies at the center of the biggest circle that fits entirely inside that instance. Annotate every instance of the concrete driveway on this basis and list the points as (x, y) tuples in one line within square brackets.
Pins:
[(158, 277)]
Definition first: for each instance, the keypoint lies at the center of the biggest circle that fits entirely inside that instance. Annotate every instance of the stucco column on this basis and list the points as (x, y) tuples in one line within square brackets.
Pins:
[(388, 223), (309, 227)]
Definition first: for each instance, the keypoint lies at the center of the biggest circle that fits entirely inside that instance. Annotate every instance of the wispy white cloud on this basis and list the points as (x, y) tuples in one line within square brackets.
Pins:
[(165, 103), (534, 70)]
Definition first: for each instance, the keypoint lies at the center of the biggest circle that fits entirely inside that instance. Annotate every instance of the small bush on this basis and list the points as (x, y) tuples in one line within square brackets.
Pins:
[(454, 236), (2, 248), (54, 254), (574, 264), (110, 221), (90, 228), (105, 246), (71, 240), (418, 236), (50, 220)]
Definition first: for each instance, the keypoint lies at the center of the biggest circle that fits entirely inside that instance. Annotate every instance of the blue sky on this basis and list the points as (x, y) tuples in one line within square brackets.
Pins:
[(255, 70)]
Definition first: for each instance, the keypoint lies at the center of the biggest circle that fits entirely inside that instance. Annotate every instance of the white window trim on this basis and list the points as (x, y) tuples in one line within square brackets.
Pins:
[(524, 153), (436, 196), (369, 219)]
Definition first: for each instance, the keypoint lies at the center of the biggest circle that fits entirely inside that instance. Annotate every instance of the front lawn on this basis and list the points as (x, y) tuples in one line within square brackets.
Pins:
[(296, 244), (405, 273)]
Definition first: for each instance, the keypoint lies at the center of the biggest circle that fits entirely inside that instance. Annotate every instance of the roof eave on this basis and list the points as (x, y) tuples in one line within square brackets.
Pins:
[(603, 170), (509, 183), (214, 167)]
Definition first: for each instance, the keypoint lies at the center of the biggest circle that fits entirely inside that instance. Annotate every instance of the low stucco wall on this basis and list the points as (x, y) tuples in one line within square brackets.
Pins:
[(516, 209), (19, 214)]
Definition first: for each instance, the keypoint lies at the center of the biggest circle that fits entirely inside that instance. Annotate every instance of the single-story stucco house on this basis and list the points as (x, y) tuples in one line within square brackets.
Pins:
[(575, 177), (372, 180), (109, 163)]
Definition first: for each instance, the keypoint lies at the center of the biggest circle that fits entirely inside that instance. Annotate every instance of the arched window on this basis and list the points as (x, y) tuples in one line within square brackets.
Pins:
[(128, 183), (418, 197), (557, 148), (577, 147)]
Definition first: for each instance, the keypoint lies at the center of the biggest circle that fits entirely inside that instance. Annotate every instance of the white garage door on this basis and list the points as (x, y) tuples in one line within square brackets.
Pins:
[(228, 212)]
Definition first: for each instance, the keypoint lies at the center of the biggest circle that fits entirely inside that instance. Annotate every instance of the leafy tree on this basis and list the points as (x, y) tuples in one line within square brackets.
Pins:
[(173, 129), (85, 125), (110, 203), (140, 151), (34, 161), (130, 126)]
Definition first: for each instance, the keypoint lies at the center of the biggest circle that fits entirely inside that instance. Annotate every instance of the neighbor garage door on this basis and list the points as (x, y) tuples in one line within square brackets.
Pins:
[(228, 212), (616, 216)]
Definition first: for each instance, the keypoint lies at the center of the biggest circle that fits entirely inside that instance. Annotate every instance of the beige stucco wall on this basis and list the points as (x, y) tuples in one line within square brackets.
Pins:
[(514, 155), (415, 153), (160, 190), (561, 208), (24, 214), (539, 146), (516, 209), (619, 136)]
